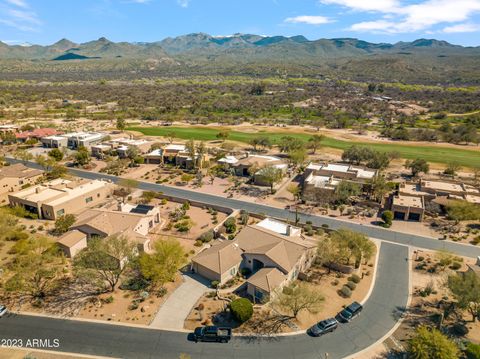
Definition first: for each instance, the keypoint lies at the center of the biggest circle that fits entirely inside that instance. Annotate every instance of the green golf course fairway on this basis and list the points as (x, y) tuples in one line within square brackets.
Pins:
[(466, 158)]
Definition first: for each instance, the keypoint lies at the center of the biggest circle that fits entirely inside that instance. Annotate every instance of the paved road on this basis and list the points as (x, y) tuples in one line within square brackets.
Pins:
[(387, 301), (175, 310), (371, 231)]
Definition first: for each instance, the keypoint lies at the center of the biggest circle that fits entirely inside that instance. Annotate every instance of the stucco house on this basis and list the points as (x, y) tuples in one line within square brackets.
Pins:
[(273, 259), (61, 196), (15, 177), (133, 222)]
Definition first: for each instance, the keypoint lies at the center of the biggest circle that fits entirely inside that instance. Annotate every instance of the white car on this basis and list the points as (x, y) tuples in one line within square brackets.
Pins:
[(3, 310)]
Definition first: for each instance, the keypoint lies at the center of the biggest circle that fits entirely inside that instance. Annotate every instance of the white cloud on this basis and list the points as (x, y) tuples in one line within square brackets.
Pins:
[(183, 3), (366, 5), (19, 3), (401, 17), (17, 14), (310, 20), (459, 28)]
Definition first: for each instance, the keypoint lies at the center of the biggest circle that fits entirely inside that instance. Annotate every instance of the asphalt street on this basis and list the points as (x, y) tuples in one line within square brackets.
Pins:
[(382, 310), (279, 213)]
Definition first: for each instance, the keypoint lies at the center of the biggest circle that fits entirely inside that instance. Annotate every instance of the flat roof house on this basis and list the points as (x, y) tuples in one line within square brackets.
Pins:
[(242, 166), (15, 177), (175, 154), (274, 259), (320, 189), (61, 196), (341, 171), (408, 208), (54, 141), (73, 140)]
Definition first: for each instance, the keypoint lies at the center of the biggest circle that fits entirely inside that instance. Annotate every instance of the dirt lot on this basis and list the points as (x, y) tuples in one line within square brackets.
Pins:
[(430, 299), (121, 310)]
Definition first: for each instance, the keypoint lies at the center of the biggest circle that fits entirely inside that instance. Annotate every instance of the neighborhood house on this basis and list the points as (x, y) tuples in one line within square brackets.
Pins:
[(133, 222), (61, 196), (272, 258), (15, 177)]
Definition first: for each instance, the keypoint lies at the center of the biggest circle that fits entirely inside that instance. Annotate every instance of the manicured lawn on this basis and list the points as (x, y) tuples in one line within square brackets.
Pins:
[(467, 158)]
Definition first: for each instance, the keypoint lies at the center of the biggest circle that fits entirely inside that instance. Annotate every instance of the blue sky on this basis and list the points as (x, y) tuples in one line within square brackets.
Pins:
[(46, 21)]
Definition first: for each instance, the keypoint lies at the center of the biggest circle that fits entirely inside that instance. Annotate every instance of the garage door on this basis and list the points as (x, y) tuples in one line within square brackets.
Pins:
[(414, 217), (399, 215)]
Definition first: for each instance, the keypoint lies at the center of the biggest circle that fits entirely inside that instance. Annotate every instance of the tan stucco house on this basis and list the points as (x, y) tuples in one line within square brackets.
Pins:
[(15, 177), (274, 259), (61, 196)]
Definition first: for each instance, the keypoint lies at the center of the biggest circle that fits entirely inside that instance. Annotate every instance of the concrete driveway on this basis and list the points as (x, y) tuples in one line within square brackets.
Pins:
[(175, 310)]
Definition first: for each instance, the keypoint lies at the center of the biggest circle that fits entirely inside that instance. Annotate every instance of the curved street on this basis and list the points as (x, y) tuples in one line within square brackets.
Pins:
[(382, 310)]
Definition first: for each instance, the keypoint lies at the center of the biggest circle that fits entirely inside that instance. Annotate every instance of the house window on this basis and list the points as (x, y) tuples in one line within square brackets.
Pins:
[(88, 200), (60, 212), (98, 195), (233, 271)]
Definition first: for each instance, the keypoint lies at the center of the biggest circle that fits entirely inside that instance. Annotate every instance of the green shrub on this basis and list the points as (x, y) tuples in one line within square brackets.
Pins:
[(351, 285), (387, 217), (135, 283), (206, 237), (133, 306), (473, 351), (460, 329), (214, 283), (354, 278), (245, 272), (230, 225), (108, 300), (346, 292), (455, 266), (242, 309)]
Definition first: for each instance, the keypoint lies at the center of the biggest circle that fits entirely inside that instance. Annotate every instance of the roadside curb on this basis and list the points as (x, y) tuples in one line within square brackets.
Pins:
[(104, 322), (400, 321)]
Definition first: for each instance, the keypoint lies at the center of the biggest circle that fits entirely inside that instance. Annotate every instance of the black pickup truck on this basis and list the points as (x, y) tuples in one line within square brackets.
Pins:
[(212, 334)]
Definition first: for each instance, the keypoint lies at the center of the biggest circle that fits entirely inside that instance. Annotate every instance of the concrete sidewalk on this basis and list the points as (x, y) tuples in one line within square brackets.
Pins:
[(175, 310)]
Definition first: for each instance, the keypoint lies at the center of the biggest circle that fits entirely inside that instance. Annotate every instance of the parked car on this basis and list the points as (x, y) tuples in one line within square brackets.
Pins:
[(3, 310), (350, 312), (323, 327), (212, 334)]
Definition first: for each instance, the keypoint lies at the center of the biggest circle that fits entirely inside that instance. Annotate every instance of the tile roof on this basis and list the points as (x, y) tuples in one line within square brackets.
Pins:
[(267, 279)]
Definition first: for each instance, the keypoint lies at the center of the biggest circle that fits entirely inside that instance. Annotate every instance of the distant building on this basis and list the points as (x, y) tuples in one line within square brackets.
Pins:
[(15, 177), (37, 134), (73, 140), (408, 208), (440, 192), (61, 196), (8, 128), (243, 166), (341, 171), (174, 154), (274, 259), (121, 146), (321, 180)]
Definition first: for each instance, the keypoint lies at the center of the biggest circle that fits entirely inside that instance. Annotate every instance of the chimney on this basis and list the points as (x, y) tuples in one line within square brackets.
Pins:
[(289, 230)]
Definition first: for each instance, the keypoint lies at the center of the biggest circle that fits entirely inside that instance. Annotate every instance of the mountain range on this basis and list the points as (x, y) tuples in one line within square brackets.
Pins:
[(423, 60), (248, 46)]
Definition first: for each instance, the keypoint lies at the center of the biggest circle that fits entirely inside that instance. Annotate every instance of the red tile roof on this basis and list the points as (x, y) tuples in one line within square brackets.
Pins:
[(37, 133)]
